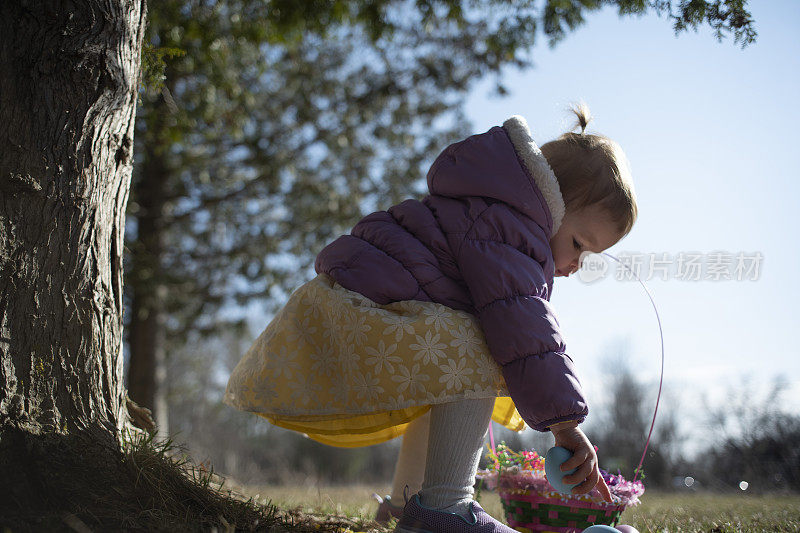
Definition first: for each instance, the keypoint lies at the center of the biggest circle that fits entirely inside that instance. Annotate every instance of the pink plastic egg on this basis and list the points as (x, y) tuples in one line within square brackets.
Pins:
[(622, 528)]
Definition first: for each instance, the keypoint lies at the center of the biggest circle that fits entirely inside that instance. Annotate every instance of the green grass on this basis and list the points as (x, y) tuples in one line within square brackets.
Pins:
[(715, 512), (659, 512)]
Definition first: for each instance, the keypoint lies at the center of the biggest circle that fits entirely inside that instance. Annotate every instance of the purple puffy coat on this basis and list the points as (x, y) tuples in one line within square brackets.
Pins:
[(480, 242)]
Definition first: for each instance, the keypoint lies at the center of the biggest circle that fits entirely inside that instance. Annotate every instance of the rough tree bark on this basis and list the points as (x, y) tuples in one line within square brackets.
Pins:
[(69, 75)]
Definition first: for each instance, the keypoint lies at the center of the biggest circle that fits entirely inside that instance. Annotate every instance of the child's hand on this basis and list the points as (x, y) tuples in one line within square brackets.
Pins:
[(568, 435)]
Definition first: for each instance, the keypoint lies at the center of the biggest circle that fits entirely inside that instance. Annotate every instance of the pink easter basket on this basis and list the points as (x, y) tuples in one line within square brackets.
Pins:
[(531, 504), (548, 511)]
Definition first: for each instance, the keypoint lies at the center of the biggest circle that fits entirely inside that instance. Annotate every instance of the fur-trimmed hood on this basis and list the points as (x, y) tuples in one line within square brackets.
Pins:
[(534, 161), (516, 173)]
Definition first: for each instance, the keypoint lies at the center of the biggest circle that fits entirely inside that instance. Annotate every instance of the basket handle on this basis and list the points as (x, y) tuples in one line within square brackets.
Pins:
[(661, 378)]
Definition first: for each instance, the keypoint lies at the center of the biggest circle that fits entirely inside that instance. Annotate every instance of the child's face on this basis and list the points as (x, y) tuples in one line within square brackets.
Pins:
[(590, 230)]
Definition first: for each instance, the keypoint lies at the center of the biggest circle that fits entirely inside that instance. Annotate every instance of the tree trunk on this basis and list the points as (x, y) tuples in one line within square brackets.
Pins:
[(69, 76)]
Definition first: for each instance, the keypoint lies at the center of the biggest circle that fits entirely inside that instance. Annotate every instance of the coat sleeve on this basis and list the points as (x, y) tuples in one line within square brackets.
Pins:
[(500, 259)]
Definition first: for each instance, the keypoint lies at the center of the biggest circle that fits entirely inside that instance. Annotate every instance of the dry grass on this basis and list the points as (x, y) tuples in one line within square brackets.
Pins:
[(70, 483), (178, 485)]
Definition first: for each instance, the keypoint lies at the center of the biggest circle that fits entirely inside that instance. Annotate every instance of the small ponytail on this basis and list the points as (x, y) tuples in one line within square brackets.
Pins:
[(593, 170), (583, 115)]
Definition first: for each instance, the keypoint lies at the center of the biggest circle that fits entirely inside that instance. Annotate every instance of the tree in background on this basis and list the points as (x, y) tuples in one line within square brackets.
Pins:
[(280, 123), (754, 440)]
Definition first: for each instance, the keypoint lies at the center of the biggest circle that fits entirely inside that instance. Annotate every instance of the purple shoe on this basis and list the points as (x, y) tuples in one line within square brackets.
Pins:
[(386, 509), (420, 519)]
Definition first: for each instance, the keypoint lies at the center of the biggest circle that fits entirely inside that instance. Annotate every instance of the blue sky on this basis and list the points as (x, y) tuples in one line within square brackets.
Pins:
[(710, 130)]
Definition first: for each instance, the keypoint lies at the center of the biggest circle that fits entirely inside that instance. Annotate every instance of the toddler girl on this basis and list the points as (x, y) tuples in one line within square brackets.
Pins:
[(475, 258)]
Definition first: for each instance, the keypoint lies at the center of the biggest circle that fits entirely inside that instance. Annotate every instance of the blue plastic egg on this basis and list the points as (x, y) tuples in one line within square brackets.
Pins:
[(598, 528), (556, 456)]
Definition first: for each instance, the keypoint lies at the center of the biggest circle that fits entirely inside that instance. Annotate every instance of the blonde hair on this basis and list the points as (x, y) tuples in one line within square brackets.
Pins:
[(593, 170)]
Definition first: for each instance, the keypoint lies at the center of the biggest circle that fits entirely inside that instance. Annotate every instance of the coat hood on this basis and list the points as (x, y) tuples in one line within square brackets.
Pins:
[(504, 164)]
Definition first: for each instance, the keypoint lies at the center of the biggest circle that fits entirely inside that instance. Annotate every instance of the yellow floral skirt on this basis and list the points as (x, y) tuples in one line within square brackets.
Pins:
[(349, 372)]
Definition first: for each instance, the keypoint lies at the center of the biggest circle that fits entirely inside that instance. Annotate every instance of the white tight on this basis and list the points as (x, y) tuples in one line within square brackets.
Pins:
[(440, 453), (410, 467)]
